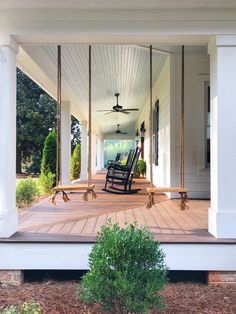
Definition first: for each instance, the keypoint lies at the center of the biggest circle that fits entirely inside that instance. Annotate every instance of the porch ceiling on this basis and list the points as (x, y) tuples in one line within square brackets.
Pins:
[(122, 4), (115, 68)]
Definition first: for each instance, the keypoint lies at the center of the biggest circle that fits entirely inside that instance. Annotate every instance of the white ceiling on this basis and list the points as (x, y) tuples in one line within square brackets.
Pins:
[(115, 68), (114, 4)]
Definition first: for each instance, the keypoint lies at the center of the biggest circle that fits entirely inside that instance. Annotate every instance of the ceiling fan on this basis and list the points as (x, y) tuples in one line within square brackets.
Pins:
[(118, 131), (119, 108)]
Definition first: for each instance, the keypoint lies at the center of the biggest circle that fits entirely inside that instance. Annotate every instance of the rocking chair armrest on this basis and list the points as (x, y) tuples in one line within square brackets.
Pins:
[(118, 167)]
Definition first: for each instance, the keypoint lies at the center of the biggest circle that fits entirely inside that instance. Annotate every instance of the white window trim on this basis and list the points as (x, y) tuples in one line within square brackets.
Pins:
[(202, 80)]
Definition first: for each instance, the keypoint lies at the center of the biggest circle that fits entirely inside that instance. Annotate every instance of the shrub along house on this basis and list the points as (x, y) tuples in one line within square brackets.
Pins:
[(120, 33)]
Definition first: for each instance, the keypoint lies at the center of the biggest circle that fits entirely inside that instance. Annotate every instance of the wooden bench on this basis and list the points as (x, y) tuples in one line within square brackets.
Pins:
[(182, 191), (88, 188)]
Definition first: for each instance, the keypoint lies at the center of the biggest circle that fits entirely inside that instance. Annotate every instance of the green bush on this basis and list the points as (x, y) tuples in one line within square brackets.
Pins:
[(30, 307), (48, 165), (127, 271), (49, 153), (26, 191), (141, 167), (76, 163), (12, 309), (47, 182)]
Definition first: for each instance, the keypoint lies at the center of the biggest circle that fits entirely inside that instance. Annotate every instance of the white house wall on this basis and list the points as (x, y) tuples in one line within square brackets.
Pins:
[(168, 90), (161, 91), (197, 176)]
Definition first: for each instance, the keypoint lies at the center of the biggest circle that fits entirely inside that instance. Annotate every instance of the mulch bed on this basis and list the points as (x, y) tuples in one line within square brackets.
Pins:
[(188, 298)]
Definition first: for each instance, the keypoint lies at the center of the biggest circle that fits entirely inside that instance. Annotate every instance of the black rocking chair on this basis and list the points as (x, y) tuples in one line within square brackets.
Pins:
[(122, 175)]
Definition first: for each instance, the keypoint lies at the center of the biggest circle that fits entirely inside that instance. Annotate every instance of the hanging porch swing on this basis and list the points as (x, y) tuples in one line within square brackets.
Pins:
[(89, 186), (181, 190)]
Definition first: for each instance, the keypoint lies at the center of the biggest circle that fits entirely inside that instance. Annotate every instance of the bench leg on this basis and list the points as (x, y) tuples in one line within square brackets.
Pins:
[(65, 197), (183, 200), (53, 198), (87, 192), (150, 201)]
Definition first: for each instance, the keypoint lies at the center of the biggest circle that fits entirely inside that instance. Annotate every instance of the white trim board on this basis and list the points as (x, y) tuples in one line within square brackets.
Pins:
[(205, 257)]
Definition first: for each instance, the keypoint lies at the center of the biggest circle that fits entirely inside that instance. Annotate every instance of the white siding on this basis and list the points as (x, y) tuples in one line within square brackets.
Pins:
[(168, 90), (161, 91), (197, 177)]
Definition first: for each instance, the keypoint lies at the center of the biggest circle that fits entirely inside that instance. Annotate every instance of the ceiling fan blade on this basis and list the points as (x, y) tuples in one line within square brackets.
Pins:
[(123, 133), (125, 112), (109, 112), (131, 109), (104, 110)]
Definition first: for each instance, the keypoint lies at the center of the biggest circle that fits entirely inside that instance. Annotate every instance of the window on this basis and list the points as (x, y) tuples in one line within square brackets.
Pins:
[(207, 123), (156, 132)]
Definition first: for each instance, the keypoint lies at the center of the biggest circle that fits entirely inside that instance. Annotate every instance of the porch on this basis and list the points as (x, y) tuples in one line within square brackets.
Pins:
[(79, 220), (62, 237)]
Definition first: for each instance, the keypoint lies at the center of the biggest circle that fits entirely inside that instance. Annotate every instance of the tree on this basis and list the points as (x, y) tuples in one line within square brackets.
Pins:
[(76, 163), (47, 177), (49, 154), (75, 132), (36, 113)]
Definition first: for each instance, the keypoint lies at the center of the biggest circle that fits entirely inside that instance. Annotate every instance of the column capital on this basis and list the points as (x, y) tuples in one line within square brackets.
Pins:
[(9, 41)]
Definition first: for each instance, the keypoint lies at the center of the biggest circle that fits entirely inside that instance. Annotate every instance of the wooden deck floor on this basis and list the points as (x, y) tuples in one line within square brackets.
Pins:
[(78, 218)]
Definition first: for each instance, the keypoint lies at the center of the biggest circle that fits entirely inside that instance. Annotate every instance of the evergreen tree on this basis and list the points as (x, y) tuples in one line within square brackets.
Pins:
[(36, 113), (76, 163), (49, 154)]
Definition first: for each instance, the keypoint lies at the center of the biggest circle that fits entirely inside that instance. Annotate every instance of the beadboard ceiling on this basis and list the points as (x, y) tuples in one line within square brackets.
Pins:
[(115, 69)]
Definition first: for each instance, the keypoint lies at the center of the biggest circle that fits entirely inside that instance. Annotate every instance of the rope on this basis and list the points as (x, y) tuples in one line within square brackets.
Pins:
[(182, 124), (58, 146), (150, 124), (85, 197), (89, 123)]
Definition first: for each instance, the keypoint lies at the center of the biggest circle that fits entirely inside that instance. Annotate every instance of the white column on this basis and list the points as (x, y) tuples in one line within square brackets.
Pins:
[(98, 165), (94, 152), (102, 154), (84, 150), (222, 214), (8, 210), (101, 157), (65, 142)]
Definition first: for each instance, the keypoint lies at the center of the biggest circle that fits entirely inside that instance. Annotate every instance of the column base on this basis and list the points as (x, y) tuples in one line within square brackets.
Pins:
[(8, 222), (221, 224), (66, 182)]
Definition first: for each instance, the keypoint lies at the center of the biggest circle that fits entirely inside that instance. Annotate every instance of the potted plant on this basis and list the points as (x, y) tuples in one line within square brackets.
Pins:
[(141, 168)]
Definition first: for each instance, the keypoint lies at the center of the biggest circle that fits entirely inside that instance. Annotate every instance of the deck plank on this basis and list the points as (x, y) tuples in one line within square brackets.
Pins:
[(121, 218), (66, 229), (78, 227), (90, 225), (138, 213), (99, 223)]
